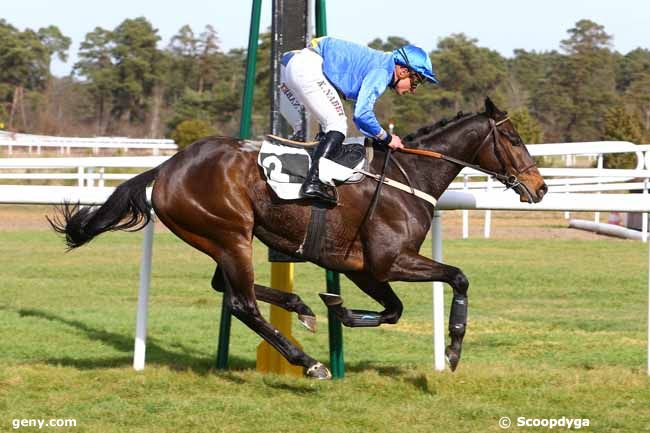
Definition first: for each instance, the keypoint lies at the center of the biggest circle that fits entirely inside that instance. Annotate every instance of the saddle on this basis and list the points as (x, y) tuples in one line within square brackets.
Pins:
[(286, 162)]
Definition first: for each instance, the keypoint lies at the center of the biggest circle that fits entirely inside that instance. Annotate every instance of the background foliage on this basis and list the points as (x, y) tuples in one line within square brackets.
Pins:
[(127, 82)]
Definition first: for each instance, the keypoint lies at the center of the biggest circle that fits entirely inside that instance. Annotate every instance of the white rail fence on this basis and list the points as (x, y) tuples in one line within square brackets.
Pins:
[(91, 174), (571, 179), (92, 171), (35, 143)]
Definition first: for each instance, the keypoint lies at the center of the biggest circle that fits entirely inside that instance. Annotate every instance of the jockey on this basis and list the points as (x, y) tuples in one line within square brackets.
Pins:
[(318, 76)]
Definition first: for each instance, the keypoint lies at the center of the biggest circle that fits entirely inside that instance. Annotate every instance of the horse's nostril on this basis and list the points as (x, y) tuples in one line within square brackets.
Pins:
[(541, 192)]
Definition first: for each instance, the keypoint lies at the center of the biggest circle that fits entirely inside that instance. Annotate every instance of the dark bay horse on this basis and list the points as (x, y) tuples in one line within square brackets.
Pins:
[(213, 196)]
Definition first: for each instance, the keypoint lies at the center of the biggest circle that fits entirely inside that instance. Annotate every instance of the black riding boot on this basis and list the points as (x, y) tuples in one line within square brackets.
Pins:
[(313, 187)]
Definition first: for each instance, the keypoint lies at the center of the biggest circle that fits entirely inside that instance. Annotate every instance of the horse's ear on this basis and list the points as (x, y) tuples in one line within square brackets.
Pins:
[(492, 111)]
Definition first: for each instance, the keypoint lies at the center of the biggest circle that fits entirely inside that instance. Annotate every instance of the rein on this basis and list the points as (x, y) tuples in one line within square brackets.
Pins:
[(510, 181)]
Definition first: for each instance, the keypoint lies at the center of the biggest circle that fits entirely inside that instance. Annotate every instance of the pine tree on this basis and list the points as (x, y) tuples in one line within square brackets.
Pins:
[(620, 125)]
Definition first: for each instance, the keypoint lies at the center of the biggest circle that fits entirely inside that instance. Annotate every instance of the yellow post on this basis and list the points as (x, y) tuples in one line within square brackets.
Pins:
[(269, 360)]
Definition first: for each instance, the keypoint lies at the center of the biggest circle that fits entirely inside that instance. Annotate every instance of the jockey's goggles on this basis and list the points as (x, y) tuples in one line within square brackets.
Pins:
[(416, 80)]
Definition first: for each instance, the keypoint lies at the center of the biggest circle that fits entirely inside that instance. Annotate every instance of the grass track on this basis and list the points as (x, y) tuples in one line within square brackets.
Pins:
[(557, 328)]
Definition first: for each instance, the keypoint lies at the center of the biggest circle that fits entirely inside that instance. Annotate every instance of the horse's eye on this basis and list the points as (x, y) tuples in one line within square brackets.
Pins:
[(515, 140)]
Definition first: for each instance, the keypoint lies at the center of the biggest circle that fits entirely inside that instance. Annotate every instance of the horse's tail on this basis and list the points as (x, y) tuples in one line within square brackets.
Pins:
[(126, 209)]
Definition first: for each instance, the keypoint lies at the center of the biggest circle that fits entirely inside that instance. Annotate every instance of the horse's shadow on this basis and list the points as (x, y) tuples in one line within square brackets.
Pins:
[(184, 359), (382, 370)]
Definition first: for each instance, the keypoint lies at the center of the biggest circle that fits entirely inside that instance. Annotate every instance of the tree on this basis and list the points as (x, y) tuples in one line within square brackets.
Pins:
[(527, 71), (392, 43), (208, 58), (620, 125), (138, 67), (529, 129), (551, 99), (183, 52), (96, 65), (633, 81), (261, 94), (184, 43), (55, 42), (590, 78), (189, 131), (204, 83), (24, 59), (126, 66), (468, 71), (25, 64)]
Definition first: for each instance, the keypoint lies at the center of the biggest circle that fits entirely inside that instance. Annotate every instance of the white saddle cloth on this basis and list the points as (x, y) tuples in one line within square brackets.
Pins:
[(286, 168)]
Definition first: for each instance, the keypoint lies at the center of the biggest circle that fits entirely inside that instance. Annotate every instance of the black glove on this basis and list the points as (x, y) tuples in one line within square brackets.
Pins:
[(383, 144)]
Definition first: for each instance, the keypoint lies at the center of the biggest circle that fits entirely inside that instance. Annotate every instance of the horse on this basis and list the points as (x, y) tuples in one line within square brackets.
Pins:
[(214, 196)]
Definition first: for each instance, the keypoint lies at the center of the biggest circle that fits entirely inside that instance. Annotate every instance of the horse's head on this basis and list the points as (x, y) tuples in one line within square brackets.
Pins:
[(504, 152)]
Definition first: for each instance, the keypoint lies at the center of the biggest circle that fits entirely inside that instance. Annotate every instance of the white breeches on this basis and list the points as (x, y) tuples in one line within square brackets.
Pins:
[(303, 85)]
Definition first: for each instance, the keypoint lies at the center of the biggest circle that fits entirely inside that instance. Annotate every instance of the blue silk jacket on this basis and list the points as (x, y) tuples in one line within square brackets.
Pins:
[(360, 74)]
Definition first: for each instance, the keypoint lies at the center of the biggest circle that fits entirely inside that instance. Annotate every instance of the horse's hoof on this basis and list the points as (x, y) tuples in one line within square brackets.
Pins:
[(453, 358), (331, 299), (318, 371), (308, 322)]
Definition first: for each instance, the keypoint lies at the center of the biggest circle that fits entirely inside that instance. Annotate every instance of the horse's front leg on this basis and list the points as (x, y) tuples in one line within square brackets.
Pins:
[(380, 291), (414, 267)]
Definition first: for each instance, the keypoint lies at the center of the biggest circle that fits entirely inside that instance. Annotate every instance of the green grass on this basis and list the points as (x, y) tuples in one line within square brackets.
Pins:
[(557, 328)]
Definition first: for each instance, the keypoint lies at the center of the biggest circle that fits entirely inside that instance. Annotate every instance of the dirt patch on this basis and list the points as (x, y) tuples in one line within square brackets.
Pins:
[(519, 225), (31, 217), (24, 217), (505, 225)]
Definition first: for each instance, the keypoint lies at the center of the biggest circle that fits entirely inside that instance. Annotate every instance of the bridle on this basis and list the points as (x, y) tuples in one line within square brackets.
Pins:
[(509, 180)]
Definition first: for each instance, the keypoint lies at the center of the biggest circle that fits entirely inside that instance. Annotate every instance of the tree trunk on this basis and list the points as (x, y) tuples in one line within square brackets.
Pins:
[(99, 130), (18, 102), (155, 112), (12, 114)]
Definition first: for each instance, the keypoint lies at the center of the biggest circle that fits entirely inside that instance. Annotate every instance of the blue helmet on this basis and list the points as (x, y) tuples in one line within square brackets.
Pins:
[(416, 59)]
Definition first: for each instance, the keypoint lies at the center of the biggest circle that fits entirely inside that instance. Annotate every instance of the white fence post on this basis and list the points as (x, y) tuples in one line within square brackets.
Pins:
[(90, 177), (438, 296), (644, 215), (465, 212), (567, 214), (600, 166), (143, 298), (488, 213), (80, 176)]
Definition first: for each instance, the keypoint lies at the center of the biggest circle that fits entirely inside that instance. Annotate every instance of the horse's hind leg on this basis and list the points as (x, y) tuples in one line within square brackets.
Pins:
[(288, 301), (414, 267), (234, 258), (236, 264), (377, 290)]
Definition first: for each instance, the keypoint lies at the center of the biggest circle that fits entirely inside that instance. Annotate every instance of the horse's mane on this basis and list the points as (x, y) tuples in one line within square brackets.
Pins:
[(440, 126)]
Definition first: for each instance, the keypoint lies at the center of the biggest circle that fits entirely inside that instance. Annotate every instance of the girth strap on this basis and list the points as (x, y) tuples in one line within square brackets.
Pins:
[(313, 242)]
